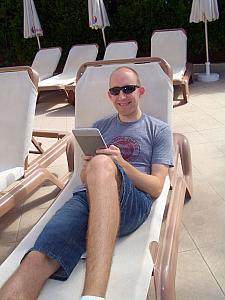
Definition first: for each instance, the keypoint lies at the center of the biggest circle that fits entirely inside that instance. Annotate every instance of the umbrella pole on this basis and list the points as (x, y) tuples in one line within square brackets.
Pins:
[(39, 44), (103, 35), (207, 64)]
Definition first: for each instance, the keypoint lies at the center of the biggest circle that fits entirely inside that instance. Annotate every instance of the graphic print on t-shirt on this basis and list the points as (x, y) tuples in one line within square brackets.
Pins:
[(128, 146)]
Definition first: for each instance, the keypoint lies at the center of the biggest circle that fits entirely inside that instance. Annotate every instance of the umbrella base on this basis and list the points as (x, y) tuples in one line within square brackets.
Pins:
[(208, 77)]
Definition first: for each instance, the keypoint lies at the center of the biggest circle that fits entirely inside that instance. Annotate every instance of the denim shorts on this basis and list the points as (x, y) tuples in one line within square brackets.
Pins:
[(64, 236)]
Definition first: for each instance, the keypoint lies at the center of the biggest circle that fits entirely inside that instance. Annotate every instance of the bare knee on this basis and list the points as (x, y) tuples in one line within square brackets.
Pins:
[(101, 167)]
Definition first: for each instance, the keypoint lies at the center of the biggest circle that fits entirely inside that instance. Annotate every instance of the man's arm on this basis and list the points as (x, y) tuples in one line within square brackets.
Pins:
[(151, 184)]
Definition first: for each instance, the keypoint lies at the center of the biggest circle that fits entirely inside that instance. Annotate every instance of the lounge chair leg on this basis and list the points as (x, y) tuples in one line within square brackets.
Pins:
[(185, 92), (71, 97), (37, 145), (70, 94)]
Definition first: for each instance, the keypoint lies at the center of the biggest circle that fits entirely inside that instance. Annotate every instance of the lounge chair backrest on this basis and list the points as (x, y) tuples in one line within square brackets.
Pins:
[(78, 55), (121, 50), (92, 101), (46, 61), (18, 101), (170, 45)]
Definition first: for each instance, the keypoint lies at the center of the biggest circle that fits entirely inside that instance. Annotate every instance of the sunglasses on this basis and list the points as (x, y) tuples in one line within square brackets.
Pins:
[(126, 89)]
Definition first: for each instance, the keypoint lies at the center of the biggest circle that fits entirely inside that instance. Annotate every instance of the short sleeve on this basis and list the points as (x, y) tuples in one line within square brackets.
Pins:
[(162, 152)]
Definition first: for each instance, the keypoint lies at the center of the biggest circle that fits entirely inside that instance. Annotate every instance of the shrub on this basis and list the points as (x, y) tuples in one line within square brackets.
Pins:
[(65, 23)]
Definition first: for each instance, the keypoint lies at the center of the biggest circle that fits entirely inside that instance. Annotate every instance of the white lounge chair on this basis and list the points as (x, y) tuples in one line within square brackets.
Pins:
[(171, 45), (45, 61), (15, 122), (78, 55), (18, 97), (121, 50), (132, 262)]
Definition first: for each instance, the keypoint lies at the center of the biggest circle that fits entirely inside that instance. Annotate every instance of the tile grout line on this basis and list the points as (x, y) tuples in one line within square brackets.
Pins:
[(211, 271), (199, 250)]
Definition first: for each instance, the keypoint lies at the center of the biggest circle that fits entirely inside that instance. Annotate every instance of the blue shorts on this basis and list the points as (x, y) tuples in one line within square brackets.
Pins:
[(64, 236)]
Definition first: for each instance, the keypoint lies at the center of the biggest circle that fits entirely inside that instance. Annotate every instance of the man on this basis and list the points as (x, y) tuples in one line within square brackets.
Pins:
[(121, 184)]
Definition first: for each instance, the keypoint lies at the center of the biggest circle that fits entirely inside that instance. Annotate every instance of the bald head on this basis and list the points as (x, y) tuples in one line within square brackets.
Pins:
[(124, 72)]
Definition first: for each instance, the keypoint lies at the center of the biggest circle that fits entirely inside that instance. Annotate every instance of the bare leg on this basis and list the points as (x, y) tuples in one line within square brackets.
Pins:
[(28, 280), (103, 223)]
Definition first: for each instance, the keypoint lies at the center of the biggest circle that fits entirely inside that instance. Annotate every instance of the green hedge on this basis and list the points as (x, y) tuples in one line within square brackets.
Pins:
[(65, 22)]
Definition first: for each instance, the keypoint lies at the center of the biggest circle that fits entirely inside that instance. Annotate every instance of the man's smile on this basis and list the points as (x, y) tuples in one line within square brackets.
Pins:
[(124, 103)]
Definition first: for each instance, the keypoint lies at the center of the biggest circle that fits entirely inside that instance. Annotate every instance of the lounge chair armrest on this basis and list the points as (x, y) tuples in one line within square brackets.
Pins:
[(37, 173), (18, 194), (166, 261), (50, 134), (182, 151), (51, 154)]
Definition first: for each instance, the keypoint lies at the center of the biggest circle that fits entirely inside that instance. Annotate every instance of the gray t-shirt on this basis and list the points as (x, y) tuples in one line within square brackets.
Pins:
[(142, 143)]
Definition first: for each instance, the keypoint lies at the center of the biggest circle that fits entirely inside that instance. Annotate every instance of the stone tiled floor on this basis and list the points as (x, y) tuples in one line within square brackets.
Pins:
[(201, 259)]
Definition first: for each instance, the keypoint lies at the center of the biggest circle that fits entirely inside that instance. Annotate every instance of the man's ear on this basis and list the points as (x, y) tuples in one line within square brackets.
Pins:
[(110, 96), (141, 90)]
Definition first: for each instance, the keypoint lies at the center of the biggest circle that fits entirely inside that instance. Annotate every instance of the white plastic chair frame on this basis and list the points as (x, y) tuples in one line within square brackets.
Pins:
[(66, 80), (170, 56), (35, 173)]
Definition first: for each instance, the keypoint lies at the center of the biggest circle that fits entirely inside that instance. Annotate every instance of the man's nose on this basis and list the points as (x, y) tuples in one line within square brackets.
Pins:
[(121, 94)]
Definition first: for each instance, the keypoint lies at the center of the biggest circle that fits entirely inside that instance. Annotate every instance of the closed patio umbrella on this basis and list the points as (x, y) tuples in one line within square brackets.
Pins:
[(205, 11), (32, 26), (98, 18)]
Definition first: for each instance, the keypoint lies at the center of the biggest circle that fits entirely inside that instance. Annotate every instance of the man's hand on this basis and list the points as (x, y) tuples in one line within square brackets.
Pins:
[(149, 183), (113, 152), (85, 161)]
